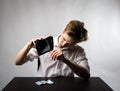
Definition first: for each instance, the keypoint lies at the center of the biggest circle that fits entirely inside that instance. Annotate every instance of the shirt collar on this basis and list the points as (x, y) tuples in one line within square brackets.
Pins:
[(56, 43)]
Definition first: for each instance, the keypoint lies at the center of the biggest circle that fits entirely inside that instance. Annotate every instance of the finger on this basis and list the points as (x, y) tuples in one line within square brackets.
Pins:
[(30, 44), (51, 53), (55, 54), (39, 38), (42, 37), (33, 42), (58, 54)]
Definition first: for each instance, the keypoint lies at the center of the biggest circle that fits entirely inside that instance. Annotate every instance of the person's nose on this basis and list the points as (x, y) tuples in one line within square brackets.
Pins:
[(64, 43)]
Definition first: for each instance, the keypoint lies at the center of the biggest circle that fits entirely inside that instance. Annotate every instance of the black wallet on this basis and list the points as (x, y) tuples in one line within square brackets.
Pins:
[(44, 45)]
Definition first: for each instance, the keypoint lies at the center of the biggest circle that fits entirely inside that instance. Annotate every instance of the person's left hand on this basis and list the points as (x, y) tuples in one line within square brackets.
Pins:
[(57, 54)]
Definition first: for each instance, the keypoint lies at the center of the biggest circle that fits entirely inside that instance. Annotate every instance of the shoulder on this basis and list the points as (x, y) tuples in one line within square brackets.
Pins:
[(77, 48)]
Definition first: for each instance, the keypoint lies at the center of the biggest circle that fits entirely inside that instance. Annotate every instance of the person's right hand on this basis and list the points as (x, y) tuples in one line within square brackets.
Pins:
[(31, 43)]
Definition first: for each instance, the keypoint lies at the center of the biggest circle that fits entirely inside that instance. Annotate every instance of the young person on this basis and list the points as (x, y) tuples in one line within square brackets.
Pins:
[(66, 59)]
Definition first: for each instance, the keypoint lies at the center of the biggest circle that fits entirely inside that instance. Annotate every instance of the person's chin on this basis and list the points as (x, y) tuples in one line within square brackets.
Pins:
[(61, 47), (64, 46)]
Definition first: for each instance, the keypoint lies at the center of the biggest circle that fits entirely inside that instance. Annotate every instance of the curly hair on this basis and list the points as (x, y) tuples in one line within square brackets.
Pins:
[(75, 29)]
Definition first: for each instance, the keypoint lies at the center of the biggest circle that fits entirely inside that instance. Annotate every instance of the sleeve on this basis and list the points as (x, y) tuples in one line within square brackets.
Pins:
[(32, 54), (81, 58)]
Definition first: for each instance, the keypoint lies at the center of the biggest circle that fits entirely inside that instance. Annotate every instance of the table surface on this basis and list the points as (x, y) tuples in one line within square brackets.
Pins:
[(60, 84)]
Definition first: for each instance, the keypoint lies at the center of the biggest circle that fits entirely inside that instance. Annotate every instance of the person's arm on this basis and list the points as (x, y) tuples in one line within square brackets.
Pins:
[(79, 70), (20, 57)]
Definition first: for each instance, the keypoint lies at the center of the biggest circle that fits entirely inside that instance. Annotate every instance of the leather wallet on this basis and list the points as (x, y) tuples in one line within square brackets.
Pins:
[(44, 45)]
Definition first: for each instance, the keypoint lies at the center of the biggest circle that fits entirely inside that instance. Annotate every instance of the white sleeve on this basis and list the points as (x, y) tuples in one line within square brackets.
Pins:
[(32, 54), (81, 59)]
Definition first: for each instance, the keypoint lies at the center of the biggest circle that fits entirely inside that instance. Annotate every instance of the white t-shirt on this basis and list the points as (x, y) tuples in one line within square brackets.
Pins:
[(52, 68)]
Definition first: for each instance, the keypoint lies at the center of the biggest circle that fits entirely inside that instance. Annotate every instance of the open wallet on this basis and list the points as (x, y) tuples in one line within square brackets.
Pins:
[(43, 46)]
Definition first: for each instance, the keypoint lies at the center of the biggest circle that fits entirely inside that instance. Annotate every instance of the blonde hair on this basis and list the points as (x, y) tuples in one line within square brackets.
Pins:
[(75, 29)]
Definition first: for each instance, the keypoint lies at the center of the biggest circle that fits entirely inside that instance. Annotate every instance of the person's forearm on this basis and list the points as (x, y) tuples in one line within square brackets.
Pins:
[(19, 60), (79, 70)]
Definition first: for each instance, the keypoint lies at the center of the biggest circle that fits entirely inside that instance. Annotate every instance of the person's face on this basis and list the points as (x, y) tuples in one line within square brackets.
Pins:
[(65, 40)]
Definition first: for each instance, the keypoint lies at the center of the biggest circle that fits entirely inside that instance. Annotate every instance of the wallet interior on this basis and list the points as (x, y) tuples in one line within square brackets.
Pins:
[(44, 45)]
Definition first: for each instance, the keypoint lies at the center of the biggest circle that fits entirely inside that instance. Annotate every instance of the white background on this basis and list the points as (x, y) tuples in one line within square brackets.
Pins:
[(22, 20)]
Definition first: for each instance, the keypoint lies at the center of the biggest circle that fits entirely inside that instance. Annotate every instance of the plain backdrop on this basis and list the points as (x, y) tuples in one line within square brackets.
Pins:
[(22, 20)]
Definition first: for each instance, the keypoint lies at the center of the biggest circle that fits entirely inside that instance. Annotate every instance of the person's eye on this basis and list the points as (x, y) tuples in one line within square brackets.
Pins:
[(64, 39)]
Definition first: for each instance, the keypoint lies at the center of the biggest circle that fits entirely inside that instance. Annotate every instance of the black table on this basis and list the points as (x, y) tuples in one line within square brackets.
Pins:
[(60, 84)]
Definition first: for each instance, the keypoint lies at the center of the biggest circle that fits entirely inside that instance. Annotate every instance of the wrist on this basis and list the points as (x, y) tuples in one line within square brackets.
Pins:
[(29, 45)]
